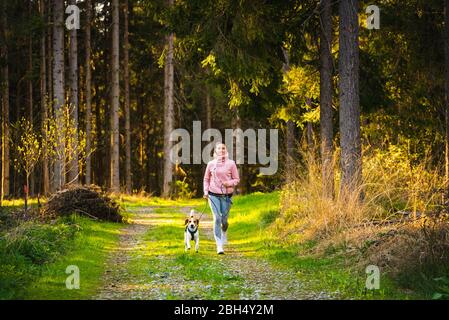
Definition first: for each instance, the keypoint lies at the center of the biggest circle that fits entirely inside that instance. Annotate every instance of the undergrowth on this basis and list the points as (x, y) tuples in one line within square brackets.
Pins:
[(395, 218)]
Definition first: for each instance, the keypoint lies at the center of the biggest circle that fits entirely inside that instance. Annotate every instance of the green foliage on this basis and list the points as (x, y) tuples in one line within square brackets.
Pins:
[(28, 146), (268, 217), (301, 87), (40, 243), (65, 131), (442, 288), (182, 189), (27, 248)]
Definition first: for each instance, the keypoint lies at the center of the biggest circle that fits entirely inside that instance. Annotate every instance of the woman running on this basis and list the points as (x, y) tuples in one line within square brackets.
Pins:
[(220, 179)]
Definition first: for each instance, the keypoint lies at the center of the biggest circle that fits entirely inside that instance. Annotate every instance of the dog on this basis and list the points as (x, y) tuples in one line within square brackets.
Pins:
[(191, 232)]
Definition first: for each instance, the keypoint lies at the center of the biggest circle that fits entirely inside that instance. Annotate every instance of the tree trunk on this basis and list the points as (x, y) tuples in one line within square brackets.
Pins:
[(326, 126), (290, 145), (239, 141), (351, 155), (30, 69), (169, 114), (98, 175), (58, 91), (5, 107), (290, 131), (44, 105), (310, 139), (208, 110), (88, 95), (446, 86), (49, 58), (26, 190), (127, 103), (115, 168), (73, 173), (30, 89)]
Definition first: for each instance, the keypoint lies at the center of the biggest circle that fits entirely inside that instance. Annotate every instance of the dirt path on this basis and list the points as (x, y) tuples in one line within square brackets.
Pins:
[(118, 283), (260, 279)]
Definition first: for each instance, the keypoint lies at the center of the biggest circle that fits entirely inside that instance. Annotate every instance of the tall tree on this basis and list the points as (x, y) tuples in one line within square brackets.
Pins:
[(169, 113), (49, 55), (290, 128), (351, 154), (5, 104), (73, 171), (127, 102), (115, 103), (446, 82), (88, 93), (326, 127), (239, 141), (30, 67), (58, 91), (44, 100), (30, 88), (208, 109)]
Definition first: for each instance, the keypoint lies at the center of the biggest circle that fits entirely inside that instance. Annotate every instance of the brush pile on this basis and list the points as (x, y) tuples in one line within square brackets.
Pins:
[(88, 201)]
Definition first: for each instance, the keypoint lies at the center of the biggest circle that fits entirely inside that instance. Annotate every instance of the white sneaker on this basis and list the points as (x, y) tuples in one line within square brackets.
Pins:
[(220, 249), (224, 237)]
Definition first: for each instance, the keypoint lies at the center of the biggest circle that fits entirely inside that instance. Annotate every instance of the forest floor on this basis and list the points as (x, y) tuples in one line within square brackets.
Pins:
[(145, 259), (150, 263)]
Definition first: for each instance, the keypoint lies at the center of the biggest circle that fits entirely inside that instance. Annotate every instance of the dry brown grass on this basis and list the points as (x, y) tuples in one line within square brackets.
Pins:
[(381, 227), (420, 246)]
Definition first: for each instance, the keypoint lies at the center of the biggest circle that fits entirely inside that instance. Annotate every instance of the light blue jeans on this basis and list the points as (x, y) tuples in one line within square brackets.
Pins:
[(220, 206)]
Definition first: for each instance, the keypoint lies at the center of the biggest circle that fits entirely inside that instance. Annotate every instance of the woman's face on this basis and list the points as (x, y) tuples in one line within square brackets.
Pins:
[(221, 149)]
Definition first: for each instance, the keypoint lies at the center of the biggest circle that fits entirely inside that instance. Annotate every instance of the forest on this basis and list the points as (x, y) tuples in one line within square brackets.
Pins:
[(347, 101)]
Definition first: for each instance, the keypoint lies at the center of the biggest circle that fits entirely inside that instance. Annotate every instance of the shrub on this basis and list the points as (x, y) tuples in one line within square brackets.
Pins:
[(40, 243), (182, 189), (26, 247)]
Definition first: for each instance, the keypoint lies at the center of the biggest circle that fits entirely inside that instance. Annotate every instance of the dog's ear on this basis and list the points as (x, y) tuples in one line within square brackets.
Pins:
[(197, 222), (186, 222)]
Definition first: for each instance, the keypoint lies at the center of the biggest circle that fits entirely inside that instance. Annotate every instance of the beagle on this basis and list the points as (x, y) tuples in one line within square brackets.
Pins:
[(191, 232)]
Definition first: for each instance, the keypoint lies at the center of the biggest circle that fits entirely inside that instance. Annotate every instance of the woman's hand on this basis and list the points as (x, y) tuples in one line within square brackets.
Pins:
[(206, 196), (227, 184)]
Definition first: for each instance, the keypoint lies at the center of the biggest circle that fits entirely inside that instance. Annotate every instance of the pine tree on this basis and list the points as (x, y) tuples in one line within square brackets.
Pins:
[(351, 165), (115, 103)]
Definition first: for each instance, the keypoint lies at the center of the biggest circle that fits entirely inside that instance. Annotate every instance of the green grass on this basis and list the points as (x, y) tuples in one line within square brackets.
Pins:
[(34, 257), (135, 201), (251, 221), (163, 254), (36, 269), (89, 252), (251, 232)]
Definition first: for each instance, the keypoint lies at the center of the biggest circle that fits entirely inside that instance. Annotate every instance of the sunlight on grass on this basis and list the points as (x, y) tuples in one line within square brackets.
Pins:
[(160, 254), (145, 201), (163, 254), (89, 252)]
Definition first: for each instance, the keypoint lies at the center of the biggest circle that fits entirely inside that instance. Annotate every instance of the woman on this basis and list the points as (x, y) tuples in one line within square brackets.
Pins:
[(220, 179)]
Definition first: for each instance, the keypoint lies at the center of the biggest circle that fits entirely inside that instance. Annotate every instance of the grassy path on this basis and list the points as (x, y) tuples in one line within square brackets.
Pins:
[(146, 259), (150, 263)]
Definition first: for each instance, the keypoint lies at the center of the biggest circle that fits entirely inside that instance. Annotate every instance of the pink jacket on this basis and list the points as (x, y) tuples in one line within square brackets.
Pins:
[(219, 171)]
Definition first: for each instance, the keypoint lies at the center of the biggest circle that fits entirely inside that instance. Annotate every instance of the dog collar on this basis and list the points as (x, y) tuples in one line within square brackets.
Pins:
[(192, 233)]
